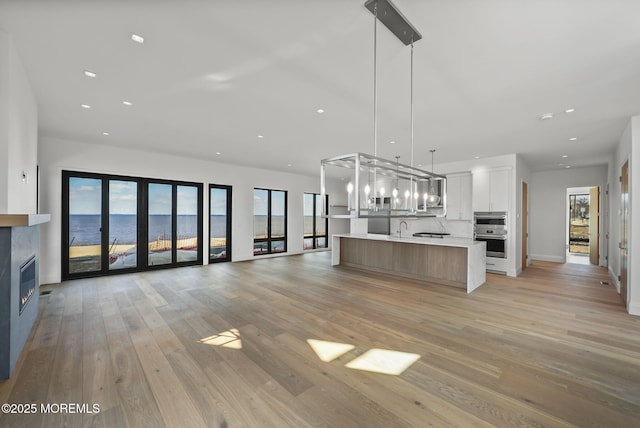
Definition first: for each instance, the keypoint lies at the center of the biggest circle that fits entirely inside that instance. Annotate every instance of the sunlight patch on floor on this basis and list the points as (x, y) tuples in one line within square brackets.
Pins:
[(329, 351), (226, 339), (384, 361)]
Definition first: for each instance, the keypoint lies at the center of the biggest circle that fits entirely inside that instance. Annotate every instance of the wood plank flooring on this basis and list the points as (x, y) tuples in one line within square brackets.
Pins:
[(226, 346)]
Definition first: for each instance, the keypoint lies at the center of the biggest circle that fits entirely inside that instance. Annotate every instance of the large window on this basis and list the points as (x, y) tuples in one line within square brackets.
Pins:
[(315, 226), (115, 224), (269, 221), (219, 223)]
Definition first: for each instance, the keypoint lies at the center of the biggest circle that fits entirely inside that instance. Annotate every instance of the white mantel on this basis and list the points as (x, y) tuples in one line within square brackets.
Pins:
[(18, 220)]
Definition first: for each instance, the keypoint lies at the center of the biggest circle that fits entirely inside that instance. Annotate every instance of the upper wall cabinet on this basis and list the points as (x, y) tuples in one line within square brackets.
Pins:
[(491, 190), (459, 197)]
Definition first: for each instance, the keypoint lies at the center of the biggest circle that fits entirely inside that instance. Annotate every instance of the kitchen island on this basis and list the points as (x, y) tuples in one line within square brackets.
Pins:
[(457, 262)]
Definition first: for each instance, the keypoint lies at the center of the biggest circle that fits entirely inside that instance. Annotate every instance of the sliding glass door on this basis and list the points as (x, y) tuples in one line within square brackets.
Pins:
[(84, 225), (188, 223), (160, 224), (123, 224), (115, 224), (219, 223)]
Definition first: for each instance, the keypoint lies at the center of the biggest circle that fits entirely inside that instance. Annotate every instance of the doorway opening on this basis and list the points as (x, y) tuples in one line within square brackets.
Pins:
[(582, 225)]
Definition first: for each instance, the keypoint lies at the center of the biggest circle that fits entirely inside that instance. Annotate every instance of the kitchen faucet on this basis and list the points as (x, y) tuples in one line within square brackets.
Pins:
[(406, 227)]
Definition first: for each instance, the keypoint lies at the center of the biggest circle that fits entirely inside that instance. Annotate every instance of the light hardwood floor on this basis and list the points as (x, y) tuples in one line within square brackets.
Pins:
[(551, 348)]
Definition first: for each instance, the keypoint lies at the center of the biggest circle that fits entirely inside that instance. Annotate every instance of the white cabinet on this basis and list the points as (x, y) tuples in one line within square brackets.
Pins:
[(459, 197), (500, 190), (481, 191), (491, 190)]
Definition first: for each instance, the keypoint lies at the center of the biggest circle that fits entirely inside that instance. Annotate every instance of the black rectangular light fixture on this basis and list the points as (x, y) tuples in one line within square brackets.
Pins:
[(391, 17)]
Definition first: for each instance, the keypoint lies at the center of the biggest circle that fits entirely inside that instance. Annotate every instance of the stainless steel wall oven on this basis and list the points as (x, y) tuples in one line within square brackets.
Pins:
[(491, 227)]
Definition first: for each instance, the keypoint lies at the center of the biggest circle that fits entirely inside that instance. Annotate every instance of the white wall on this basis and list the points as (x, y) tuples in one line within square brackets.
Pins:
[(634, 221), (625, 152), (18, 133), (620, 156), (547, 209), (56, 155)]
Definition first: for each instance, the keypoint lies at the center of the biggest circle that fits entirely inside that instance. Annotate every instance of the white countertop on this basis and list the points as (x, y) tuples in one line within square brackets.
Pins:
[(446, 241)]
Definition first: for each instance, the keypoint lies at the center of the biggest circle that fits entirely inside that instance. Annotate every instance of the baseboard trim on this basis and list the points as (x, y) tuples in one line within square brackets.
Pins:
[(49, 280), (634, 309), (544, 258), (614, 278)]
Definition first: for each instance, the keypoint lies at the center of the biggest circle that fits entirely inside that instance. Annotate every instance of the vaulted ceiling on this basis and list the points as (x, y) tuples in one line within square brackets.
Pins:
[(241, 81)]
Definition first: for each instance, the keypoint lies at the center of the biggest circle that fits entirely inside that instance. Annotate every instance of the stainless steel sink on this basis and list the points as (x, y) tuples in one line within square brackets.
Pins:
[(431, 234)]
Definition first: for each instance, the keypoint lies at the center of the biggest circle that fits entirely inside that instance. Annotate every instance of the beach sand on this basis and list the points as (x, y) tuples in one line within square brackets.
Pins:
[(157, 245), (94, 250)]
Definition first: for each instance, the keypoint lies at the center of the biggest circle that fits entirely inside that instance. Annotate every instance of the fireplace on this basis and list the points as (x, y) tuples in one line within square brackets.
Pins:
[(27, 282), (19, 284)]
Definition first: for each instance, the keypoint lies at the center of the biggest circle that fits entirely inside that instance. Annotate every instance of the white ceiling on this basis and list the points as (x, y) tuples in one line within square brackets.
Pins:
[(213, 75)]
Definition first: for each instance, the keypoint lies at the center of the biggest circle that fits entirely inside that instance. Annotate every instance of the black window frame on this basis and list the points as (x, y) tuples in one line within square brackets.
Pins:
[(142, 224), (270, 239), (315, 235)]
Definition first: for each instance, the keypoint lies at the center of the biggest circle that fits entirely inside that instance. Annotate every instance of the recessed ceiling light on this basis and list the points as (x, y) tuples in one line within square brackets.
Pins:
[(565, 156), (106, 134), (568, 166), (89, 73), (127, 103), (218, 153), (288, 164), (260, 136), (392, 142), (320, 111), (85, 106), (570, 110), (477, 157), (137, 38), (546, 116), (573, 138)]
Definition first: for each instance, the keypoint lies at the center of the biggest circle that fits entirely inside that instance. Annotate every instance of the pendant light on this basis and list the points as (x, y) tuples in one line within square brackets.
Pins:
[(407, 177), (394, 192), (433, 199)]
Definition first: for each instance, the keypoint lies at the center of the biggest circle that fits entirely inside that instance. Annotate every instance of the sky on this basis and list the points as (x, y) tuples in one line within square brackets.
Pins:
[(85, 197), (260, 202)]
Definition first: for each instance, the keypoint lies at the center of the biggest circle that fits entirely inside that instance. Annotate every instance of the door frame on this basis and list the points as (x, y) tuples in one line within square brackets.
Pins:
[(624, 230), (577, 190), (594, 225), (229, 194), (525, 223)]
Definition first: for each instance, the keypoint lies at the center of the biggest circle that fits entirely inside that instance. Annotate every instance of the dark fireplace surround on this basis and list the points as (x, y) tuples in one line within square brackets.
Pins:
[(19, 291)]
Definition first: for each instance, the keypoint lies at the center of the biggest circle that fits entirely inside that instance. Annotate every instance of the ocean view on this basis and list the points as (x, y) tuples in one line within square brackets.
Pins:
[(85, 229)]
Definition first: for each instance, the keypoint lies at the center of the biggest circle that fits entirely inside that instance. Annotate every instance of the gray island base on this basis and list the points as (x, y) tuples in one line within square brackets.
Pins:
[(456, 262)]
